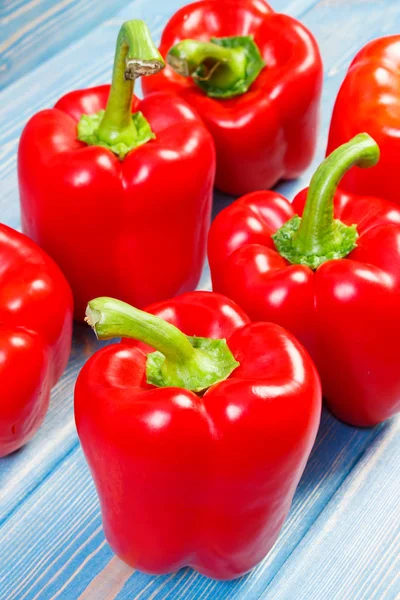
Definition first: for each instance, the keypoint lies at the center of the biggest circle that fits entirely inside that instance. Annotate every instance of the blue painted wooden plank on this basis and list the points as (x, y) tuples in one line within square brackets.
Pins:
[(353, 550), (294, 8), (31, 32)]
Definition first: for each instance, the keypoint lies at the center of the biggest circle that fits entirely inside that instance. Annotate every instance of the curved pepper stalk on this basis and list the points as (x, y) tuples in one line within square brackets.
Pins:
[(317, 236), (192, 363), (117, 128)]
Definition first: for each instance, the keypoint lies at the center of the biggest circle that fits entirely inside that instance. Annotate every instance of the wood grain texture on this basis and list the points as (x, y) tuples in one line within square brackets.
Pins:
[(341, 538), (359, 527), (32, 31)]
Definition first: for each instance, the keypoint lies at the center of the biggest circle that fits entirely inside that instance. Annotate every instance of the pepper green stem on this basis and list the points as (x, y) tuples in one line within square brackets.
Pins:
[(318, 236), (180, 361), (223, 67), (116, 128)]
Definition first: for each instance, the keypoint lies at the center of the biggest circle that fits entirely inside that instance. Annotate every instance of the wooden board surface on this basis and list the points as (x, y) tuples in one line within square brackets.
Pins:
[(341, 540)]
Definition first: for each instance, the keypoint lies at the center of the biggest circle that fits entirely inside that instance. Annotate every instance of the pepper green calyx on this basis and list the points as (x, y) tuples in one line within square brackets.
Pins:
[(117, 128), (222, 68), (192, 363), (317, 236), (141, 133)]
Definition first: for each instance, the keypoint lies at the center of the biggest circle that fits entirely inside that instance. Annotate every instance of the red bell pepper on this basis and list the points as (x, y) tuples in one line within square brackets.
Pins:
[(184, 478), (121, 196), (254, 76), (369, 100), (335, 284), (35, 336)]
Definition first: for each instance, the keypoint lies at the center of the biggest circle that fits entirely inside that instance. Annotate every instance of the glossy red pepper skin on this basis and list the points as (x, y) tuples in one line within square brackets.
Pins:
[(368, 100), (268, 133), (345, 312), (111, 224), (200, 481), (35, 336)]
